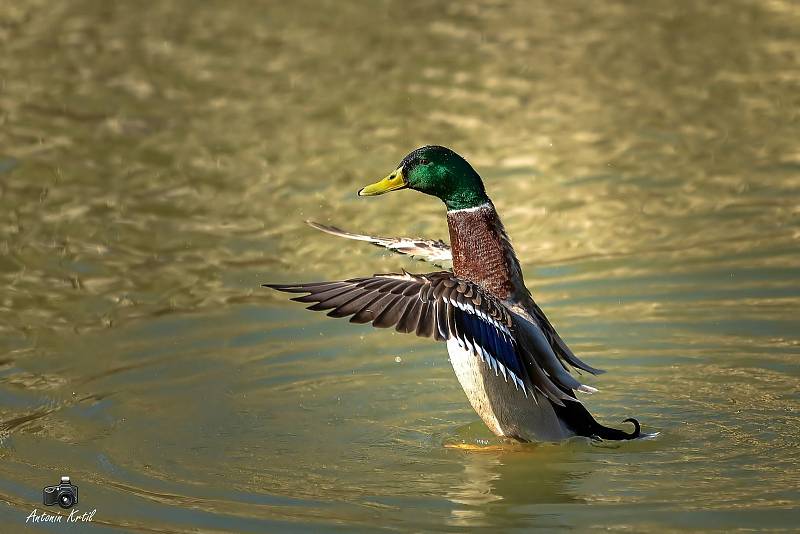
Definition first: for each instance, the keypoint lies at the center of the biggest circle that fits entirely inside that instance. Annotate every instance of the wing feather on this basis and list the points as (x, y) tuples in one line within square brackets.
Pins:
[(561, 349), (425, 324), (434, 251), (408, 321), (391, 313), (444, 307)]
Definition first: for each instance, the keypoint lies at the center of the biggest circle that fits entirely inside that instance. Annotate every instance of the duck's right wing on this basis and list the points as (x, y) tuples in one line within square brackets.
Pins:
[(444, 307), (437, 252)]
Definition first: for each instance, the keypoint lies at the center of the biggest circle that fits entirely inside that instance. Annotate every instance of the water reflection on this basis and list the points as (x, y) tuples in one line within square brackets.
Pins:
[(496, 483), (476, 488)]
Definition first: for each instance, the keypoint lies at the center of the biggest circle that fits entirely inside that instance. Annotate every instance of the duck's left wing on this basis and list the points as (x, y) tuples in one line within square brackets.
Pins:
[(558, 346), (436, 252), (444, 307)]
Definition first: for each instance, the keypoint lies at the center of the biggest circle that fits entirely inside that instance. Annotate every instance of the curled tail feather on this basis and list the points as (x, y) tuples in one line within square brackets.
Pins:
[(604, 432), (582, 423)]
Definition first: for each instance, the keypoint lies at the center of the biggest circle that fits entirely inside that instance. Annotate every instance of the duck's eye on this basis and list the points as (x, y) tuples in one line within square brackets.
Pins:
[(423, 161)]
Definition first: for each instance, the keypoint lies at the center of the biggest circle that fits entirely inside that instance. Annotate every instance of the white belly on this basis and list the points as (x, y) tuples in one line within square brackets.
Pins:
[(506, 410), (469, 372)]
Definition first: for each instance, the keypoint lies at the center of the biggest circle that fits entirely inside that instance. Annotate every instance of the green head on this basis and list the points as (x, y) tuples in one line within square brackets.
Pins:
[(438, 171)]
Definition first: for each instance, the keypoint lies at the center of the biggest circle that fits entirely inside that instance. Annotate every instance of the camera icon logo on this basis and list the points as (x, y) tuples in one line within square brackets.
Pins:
[(65, 494)]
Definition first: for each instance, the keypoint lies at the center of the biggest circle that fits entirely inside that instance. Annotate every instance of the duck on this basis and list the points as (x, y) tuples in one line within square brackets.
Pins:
[(516, 371)]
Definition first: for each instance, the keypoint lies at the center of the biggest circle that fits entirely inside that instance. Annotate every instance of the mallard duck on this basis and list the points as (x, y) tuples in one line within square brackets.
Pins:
[(508, 358)]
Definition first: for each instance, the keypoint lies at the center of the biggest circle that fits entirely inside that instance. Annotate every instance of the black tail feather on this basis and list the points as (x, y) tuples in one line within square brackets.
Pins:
[(577, 417), (604, 432)]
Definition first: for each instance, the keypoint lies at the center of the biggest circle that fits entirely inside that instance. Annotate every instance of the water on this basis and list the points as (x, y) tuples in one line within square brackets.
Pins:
[(156, 166)]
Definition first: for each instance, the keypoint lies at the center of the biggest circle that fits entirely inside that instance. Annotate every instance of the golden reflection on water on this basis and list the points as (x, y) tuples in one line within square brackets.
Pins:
[(156, 166)]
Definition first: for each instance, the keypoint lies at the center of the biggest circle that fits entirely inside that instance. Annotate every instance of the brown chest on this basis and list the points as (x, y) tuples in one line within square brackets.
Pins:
[(481, 250)]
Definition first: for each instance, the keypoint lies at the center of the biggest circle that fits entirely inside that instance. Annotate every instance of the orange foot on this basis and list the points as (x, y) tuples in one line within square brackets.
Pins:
[(475, 448)]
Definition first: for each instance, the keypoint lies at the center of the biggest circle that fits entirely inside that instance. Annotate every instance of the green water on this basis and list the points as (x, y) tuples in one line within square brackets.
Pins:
[(157, 161)]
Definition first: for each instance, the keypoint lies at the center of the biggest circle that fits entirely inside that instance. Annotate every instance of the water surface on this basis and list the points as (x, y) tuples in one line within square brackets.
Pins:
[(156, 166)]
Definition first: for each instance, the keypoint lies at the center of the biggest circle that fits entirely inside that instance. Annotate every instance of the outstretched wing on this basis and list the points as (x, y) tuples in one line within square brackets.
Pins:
[(436, 252), (444, 307)]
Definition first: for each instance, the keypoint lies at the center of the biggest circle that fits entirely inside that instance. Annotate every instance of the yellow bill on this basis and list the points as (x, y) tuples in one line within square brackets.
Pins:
[(393, 182)]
